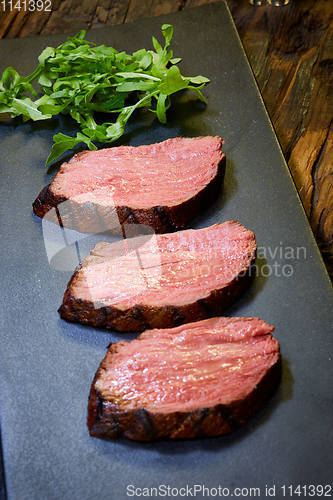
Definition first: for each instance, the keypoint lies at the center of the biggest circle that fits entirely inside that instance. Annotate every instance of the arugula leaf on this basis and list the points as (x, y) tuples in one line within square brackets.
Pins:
[(80, 79), (46, 54), (63, 143), (137, 75), (200, 96), (29, 109), (161, 108), (157, 45), (134, 86), (10, 78), (167, 30), (173, 81), (198, 79)]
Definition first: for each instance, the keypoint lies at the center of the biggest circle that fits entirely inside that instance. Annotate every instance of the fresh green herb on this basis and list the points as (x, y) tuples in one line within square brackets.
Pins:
[(80, 79)]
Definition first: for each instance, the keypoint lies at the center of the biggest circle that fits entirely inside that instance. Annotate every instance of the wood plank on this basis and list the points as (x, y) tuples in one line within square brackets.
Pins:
[(290, 51), (150, 8)]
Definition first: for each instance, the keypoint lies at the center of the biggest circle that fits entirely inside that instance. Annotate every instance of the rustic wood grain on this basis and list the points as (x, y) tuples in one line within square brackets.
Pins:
[(290, 51)]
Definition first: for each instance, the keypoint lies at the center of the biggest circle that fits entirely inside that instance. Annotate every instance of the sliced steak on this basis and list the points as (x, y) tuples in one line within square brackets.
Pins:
[(161, 281), (161, 185), (201, 379)]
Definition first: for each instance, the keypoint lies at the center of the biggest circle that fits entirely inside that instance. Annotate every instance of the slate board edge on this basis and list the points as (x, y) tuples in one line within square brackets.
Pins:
[(283, 160), (3, 494)]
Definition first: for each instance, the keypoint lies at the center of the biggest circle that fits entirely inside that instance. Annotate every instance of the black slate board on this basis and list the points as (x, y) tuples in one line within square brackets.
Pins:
[(47, 365)]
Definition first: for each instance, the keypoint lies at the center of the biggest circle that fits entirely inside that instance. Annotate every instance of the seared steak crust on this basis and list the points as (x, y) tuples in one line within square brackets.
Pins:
[(93, 217), (143, 317), (237, 249), (109, 417), (106, 420)]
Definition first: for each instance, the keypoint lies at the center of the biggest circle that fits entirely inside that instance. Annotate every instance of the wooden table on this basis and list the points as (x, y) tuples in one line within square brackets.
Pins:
[(290, 51)]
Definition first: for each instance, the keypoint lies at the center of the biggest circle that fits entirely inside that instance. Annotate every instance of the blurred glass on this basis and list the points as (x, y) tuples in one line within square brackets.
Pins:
[(278, 3)]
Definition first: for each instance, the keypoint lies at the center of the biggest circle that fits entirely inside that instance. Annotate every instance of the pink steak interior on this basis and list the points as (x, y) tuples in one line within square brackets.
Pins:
[(165, 173), (198, 365), (170, 269)]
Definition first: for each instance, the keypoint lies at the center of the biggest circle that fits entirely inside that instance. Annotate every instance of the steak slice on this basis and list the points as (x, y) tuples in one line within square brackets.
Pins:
[(161, 185), (201, 379), (161, 281)]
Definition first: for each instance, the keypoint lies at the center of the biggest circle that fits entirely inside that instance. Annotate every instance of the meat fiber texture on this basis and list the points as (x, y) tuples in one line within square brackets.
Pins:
[(161, 281), (201, 379), (160, 185)]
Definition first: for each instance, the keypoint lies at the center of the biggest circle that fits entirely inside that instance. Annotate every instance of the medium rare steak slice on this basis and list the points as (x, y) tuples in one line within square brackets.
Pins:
[(161, 281), (161, 185), (201, 379)]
